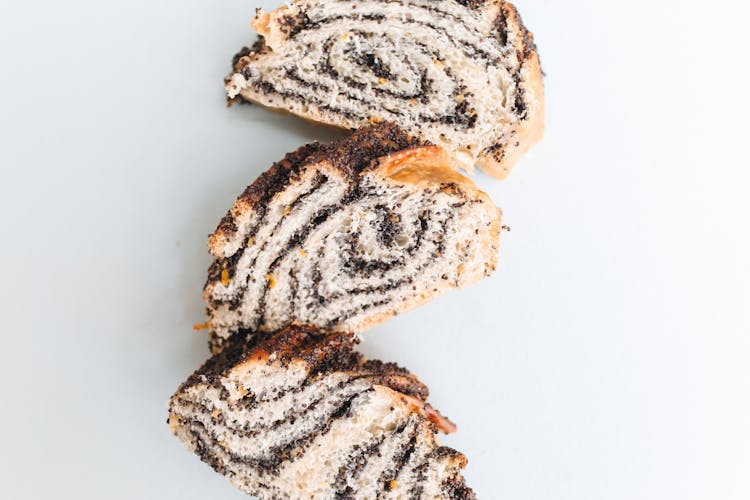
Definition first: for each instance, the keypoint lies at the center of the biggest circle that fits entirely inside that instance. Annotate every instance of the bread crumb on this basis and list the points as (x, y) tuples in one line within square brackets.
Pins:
[(200, 326)]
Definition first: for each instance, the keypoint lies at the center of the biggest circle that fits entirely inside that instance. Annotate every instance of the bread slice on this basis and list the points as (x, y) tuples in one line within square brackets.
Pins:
[(344, 236), (299, 414), (463, 74)]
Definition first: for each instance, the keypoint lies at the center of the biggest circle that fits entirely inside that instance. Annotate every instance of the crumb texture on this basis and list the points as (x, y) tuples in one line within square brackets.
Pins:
[(346, 235), (299, 414), (462, 74)]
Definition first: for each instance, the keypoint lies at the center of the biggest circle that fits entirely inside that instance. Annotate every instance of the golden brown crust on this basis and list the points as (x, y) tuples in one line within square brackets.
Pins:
[(531, 130), (431, 166), (416, 405)]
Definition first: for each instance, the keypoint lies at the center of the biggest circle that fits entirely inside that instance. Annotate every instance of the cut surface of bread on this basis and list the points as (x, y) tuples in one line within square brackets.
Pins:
[(463, 74), (343, 236), (299, 414)]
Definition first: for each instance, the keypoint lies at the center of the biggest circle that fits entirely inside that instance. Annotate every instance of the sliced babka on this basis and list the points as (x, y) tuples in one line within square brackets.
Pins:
[(345, 235), (299, 414), (460, 73)]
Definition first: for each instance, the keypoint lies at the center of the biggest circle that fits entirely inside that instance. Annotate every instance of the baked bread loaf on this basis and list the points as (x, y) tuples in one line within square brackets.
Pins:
[(344, 236), (299, 414), (463, 74)]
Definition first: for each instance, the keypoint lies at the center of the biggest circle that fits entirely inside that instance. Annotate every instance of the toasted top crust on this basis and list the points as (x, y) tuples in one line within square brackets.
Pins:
[(383, 150), (321, 351)]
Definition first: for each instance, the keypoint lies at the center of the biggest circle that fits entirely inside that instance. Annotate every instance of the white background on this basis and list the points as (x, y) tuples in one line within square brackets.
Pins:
[(608, 358)]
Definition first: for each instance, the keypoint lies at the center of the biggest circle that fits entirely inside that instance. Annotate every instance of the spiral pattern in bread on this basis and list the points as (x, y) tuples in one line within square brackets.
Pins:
[(344, 236), (299, 414), (463, 74)]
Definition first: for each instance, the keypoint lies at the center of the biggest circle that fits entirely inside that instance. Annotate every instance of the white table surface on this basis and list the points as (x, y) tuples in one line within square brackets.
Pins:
[(608, 358)]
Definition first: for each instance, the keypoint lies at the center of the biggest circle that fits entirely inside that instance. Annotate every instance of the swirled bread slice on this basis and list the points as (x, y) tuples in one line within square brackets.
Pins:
[(344, 236), (299, 414), (463, 74)]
